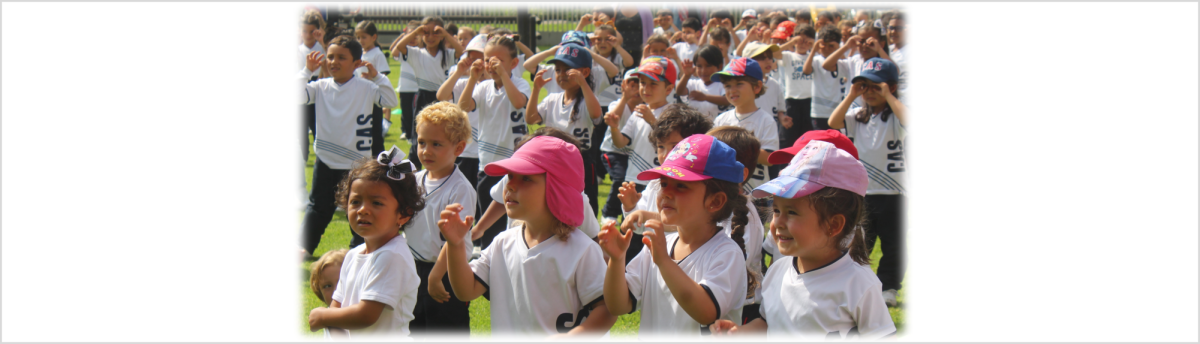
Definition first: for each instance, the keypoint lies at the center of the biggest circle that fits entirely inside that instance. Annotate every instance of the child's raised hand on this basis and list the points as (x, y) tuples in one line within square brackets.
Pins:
[(612, 119), (612, 241), (819, 45), (313, 61), (785, 121), (464, 64), (646, 114), (687, 67), (371, 72), (670, 52), (698, 96), (539, 81), (629, 90), (677, 37), (576, 76), (874, 45), (628, 195), (437, 291), (754, 34), (728, 24), (857, 90), (452, 228), (656, 242), (586, 19), (853, 42), (722, 327), (440, 31)]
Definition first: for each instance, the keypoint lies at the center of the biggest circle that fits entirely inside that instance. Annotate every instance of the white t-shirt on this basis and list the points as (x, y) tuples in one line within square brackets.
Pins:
[(718, 266), (305, 50), (881, 149), (430, 71), (501, 125), (408, 76), (589, 227), (472, 148), (642, 155), (540, 290), (762, 125), (607, 145), (387, 276), (842, 300), (897, 56), (796, 84), (557, 115), (600, 78), (423, 236), (709, 110), (829, 88), (668, 31), (344, 115), (752, 237), (685, 51), (772, 99), (376, 58), (856, 63), (611, 91)]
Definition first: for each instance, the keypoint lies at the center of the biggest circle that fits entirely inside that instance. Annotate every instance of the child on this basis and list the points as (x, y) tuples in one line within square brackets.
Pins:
[(431, 60), (407, 88), (659, 45), (377, 286), (451, 90), (895, 33), (442, 134), (311, 31), (720, 37), (617, 159), (689, 279), (323, 278), (823, 288), (367, 36), (544, 276), (656, 76), (772, 99), (598, 63), (665, 23), (703, 94), (868, 42), (797, 83), (743, 83), (501, 103), (686, 41), (608, 47), (879, 135), (343, 133), (828, 86)]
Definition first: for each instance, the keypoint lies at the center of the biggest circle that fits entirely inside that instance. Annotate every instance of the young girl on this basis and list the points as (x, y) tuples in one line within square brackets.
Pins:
[(407, 88), (377, 288), (367, 36), (617, 159), (687, 280), (879, 135), (431, 61), (697, 84), (829, 87), (822, 288), (323, 278), (452, 90), (656, 76), (501, 104), (608, 47), (742, 79), (543, 276)]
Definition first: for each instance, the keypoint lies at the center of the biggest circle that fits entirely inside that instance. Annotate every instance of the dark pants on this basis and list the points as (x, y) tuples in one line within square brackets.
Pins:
[(321, 205), (598, 156), (430, 317), (750, 312), (885, 220), (376, 130), (310, 127), (799, 110), (616, 163), (591, 188), (635, 245), (424, 98), (484, 191)]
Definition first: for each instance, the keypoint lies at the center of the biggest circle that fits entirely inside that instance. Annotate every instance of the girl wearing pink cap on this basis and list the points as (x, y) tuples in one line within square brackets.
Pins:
[(823, 287), (545, 276), (686, 280)]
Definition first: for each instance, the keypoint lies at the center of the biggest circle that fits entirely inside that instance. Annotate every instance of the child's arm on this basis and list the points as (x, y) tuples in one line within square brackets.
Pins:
[(756, 326), (589, 97), (831, 60), (436, 289), (819, 45), (385, 95), (688, 68), (751, 36), (689, 294), (524, 49), (839, 114), (626, 58), (629, 196), (446, 91), (357, 316), (616, 289), (313, 61), (532, 116), (400, 47), (515, 96), (598, 322), (584, 21), (610, 69), (613, 120), (462, 279), (531, 64), (493, 213), (898, 108), (467, 101)]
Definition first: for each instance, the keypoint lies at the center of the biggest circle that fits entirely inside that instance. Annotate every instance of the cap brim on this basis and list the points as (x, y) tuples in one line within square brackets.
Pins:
[(512, 165), (783, 156), (873, 78), (569, 63), (673, 173), (716, 77), (786, 187)]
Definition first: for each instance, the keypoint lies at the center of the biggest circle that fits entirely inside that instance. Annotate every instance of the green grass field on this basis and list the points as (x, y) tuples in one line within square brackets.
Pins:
[(337, 235)]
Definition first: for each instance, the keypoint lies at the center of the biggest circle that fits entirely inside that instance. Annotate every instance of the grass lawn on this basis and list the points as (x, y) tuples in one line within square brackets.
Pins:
[(337, 235)]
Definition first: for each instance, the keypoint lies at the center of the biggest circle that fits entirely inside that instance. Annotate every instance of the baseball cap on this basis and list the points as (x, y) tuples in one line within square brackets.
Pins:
[(658, 68), (740, 67), (753, 49), (698, 157), (630, 74), (477, 44), (784, 30), (878, 70), (749, 13), (576, 37), (573, 55), (783, 156), (818, 165), (563, 166)]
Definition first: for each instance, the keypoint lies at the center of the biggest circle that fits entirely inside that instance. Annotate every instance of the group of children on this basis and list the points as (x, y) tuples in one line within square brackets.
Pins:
[(693, 137)]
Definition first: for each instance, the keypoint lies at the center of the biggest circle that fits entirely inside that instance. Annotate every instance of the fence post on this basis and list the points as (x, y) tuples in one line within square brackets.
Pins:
[(526, 27)]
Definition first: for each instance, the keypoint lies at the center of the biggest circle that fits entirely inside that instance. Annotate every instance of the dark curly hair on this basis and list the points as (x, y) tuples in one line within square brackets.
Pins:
[(406, 192)]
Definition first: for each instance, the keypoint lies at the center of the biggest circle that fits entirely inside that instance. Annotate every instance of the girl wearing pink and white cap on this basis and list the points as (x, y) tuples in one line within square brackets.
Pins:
[(546, 276), (823, 287)]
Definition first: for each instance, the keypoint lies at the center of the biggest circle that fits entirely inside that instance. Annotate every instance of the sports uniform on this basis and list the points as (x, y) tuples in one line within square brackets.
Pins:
[(642, 155), (431, 72), (590, 226), (387, 276), (617, 162), (835, 302), (468, 161), (761, 124), (501, 127), (709, 110), (378, 126), (425, 242), (309, 111), (829, 88)]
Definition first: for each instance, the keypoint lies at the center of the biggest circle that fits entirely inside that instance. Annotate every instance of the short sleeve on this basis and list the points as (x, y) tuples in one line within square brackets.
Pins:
[(649, 196), (769, 247), (725, 277), (630, 128), (769, 137), (845, 68), (636, 273), (871, 315), (339, 291), (497, 191), (384, 279), (543, 108), (482, 267), (590, 226), (589, 275), (459, 87), (523, 87), (850, 123)]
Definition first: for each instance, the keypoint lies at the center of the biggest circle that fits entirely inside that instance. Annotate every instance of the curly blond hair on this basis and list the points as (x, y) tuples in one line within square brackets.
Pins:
[(450, 116), (314, 276)]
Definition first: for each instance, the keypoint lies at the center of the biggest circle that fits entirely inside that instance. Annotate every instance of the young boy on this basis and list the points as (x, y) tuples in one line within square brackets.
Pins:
[(797, 85), (618, 158), (451, 90), (442, 134), (721, 38), (665, 23), (829, 87), (772, 100), (686, 39), (743, 80), (323, 278), (343, 126)]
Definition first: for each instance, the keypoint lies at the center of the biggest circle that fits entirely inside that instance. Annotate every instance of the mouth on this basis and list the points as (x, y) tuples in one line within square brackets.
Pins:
[(782, 239), (363, 223), (510, 202)]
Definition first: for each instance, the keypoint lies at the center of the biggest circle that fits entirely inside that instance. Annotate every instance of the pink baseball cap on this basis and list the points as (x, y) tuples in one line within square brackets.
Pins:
[(820, 164), (698, 157), (563, 166)]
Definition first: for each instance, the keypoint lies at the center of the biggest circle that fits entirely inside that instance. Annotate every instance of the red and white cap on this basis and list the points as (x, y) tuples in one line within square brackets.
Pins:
[(563, 166)]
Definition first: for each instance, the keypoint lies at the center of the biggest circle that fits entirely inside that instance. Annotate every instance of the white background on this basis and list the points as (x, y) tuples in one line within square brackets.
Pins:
[(151, 187)]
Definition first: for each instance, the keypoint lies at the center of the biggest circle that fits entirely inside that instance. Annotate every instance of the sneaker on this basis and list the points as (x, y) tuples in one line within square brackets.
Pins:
[(889, 297), (403, 137)]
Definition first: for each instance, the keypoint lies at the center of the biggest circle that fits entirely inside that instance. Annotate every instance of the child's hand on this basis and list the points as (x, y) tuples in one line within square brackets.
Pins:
[(464, 64), (874, 45), (712, 22), (612, 241), (646, 114), (670, 52), (313, 61), (629, 90), (539, 81), (657, 243), (728, 24), (853, 42), (576, 76), (677, 37), (785, 121), (857, 90), (438, 291), (440, 31), (452, 228), (628, 195), (753, 35), (585, 20), (687, 67), (601, 19), (722, 327), (698, 96), (819, 45), (612, 119), (314, 318), (477, 69), (371, 72), (497, 70), (882, 89)]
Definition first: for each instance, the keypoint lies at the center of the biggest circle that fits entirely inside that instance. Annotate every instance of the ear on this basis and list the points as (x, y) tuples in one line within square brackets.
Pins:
[(893, 87), (586, 72), (716, 202), (460, 147), (401, 219), (745, 173), (836, 223)]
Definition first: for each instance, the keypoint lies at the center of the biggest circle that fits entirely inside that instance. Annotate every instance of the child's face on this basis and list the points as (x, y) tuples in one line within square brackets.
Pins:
[(664, 21), (565, 81), (797, 228), (664, 146), (432, 40), (632, 88), (846, 31), (501, 53), (830, 47), (871, 97), (704, 70), (371, 210), (340, 62), (328, 280), (367, 41), (682, 203), (525, 195), (652, 91), (601, 40), (656, 49), (723, 45), (433, 147), (741, 91), (896, 31), (308, 33), (766, 62), (689, 35), (821, 22), (464, 37)]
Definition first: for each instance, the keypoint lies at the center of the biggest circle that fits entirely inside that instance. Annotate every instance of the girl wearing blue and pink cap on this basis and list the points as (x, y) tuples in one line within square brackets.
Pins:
[(822, 288), (686, 280)]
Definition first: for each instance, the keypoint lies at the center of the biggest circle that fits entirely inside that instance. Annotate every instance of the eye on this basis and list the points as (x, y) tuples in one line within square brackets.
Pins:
[(377, 203), (527, 179)]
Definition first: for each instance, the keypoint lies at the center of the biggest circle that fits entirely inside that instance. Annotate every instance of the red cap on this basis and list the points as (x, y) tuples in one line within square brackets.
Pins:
[(784, 31), (784, 156)]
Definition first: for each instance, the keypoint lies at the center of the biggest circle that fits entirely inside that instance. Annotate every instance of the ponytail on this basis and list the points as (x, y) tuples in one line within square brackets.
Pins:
[(735, 205)]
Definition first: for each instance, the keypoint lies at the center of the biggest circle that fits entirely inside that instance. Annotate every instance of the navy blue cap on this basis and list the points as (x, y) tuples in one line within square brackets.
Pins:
[(576, 37), (878, 70), (573, 55)]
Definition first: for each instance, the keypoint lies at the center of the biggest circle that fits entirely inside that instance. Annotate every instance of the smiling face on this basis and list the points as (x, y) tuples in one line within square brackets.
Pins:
[(560, 76), (601, 41), (372, 210), (705, 71), (656, 49), (496, 52), (367, 41), (690, 35), (525, 196), (340, 63), (766, 62), (433, 147), (896, 31), (432, 40), (653, 92), (740, 91), (308, 34), (328, 280), (798, 230)]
